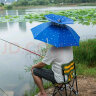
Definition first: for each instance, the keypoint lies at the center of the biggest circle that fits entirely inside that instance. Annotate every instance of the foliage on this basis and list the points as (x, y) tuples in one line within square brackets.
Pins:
[(83, 16), (20, 3), (30, 2), (1, 4), (45, 2), (83, 69), (86, 52), (8, 6)]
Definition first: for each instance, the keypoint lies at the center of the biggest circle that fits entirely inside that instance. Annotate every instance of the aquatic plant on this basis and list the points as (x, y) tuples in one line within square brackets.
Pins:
[(82, 16)]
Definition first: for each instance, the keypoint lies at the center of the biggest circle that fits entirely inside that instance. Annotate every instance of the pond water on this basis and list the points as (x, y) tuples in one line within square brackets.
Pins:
[(13, 60), (14, 80)]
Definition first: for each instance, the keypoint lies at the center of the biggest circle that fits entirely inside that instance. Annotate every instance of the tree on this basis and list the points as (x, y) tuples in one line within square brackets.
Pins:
[(58, 1)]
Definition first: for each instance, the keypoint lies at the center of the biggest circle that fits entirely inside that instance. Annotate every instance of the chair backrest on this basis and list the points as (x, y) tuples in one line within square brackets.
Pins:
[(69, 71)]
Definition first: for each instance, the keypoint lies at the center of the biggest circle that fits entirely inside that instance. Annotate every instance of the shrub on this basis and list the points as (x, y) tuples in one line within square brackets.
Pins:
[(38, 2), (1, 4), (34, 2), (8, 6), (20, 3), (43, 2)]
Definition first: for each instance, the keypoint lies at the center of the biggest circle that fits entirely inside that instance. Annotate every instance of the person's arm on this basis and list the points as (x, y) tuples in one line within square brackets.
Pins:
[(38, 65), (47, 60)]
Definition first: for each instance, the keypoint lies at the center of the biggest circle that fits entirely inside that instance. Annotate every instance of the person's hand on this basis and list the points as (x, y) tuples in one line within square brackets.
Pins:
[(32, 68)]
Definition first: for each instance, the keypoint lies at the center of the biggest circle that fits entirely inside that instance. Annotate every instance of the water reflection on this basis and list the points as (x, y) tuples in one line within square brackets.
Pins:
[(3, 27), (11, 24), (13, 78), (2, 12), (22, 26), (12, 12), (21, 12)]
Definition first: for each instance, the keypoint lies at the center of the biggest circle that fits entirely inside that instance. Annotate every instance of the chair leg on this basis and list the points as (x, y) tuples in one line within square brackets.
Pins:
[(70, 86), (76, 87), (54, 92), (70, 93), (60, 94), (65, 90), (75, 91)]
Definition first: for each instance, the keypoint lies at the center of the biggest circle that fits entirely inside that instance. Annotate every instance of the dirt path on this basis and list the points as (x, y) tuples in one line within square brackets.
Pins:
[(86, 86)]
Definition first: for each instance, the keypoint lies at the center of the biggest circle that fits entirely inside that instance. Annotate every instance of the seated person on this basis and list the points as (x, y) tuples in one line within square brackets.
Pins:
[(56, 57)]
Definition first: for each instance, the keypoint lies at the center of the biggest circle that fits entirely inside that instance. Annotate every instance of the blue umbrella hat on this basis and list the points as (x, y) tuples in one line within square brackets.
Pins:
[(56, 35), (59, 19)]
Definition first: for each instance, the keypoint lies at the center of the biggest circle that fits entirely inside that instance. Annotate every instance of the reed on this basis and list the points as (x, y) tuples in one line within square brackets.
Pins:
[(86, 53)]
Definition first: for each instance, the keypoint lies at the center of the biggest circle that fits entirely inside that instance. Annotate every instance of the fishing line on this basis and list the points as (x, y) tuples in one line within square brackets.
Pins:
[(4, 93), (21, 47)]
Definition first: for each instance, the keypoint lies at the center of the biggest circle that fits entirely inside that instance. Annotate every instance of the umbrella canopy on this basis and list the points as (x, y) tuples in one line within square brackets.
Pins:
[(56, 35), (59, 19)]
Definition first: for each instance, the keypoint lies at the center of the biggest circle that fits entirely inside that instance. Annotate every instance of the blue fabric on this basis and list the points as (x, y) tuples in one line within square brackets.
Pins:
[(59, 19), (55, 34)]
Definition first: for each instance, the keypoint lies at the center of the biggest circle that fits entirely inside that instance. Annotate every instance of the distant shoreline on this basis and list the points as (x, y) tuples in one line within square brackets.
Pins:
[(40, 6), (53, 5)]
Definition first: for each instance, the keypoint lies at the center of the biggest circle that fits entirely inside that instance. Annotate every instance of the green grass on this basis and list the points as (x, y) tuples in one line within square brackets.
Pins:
[(83, 69), (86, 53)]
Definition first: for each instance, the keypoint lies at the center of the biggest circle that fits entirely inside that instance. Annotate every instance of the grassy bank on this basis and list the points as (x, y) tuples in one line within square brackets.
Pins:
[(48, 5), (86, 53), (83, 69), (84, 56)]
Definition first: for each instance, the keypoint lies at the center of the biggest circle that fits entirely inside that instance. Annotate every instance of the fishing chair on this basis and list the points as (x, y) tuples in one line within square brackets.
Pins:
[(69, 86)]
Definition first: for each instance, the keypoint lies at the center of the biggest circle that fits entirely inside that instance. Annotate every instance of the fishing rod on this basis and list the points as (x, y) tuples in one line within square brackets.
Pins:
[(21, 47)]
